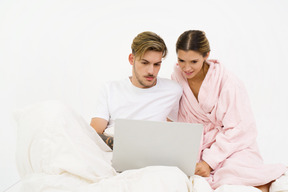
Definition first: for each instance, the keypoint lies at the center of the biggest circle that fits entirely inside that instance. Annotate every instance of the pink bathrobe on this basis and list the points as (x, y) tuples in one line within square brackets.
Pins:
[(229, 140)]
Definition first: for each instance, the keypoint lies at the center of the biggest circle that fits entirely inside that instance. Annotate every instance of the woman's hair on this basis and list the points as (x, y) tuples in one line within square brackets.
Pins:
[(148, 41), (193, 40)]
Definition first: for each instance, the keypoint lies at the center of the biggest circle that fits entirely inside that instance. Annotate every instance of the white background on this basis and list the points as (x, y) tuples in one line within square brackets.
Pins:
[(65, 49)]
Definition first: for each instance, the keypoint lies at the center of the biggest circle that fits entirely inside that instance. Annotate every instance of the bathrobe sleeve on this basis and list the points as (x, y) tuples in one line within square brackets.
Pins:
[(235, 122)]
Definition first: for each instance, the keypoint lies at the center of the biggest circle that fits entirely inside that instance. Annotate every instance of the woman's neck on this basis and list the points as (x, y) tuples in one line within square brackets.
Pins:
[(196, 82), (199, 78)]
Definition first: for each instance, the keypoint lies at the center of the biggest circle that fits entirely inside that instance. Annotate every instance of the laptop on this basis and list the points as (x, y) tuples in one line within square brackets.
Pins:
[(140, 143)]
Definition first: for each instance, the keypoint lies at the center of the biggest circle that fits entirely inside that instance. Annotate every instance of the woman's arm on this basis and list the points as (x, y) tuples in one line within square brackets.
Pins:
[(237, 129)]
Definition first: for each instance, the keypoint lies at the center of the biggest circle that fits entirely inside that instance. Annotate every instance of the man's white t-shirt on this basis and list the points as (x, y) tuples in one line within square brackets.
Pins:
[(121, 99)]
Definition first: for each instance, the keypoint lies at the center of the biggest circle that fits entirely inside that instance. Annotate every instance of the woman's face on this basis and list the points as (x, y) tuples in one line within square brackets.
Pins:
[(190, 62)]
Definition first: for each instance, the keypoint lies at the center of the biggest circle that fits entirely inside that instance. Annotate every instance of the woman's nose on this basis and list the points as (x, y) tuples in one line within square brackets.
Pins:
[(186, 66)]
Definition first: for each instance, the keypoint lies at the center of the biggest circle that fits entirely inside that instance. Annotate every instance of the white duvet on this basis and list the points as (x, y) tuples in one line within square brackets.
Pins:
[(57, 151)]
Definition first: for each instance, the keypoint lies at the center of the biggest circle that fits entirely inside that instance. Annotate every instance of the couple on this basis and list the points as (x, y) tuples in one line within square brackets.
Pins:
[(202, 92)]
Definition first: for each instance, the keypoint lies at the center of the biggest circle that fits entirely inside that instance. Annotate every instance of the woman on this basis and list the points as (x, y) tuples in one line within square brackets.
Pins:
[(215, 98)]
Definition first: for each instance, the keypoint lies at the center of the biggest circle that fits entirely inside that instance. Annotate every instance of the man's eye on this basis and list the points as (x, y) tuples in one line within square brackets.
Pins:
[(144, 63), (180, 60)]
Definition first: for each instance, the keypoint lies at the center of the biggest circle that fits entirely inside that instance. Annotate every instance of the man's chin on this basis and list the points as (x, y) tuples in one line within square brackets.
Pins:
[(149, 84)]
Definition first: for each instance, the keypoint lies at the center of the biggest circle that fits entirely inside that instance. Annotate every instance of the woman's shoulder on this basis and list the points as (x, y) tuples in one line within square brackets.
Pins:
[(228, 77), (225, 79), (233, 80), (232, 86)]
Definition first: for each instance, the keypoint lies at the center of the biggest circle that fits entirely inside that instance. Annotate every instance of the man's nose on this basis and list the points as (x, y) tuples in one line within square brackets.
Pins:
[(151, 69)]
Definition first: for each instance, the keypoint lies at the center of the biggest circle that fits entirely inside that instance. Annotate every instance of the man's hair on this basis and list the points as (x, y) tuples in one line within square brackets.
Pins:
[(148, 41)]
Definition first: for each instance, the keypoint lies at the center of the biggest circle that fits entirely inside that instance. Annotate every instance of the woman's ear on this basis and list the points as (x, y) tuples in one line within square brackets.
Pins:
[(207, 55), (131, 58)]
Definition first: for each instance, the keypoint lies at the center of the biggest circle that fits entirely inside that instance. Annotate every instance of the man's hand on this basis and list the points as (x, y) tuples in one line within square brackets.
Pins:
[(107, 139), (203, 169)]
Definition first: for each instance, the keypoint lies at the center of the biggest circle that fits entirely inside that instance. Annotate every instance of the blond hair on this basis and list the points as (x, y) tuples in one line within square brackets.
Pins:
[(148, 41)]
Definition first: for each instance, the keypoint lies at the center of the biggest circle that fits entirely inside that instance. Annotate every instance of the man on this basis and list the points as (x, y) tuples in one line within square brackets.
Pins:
[(142, 96), (57, 150)]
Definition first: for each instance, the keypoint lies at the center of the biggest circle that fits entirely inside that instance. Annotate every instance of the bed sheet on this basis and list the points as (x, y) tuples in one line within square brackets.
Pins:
[(198, 185), (57, 151)]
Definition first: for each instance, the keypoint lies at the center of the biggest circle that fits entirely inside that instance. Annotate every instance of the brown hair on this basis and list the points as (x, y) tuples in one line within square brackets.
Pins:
[(148, 41), (193, 40)]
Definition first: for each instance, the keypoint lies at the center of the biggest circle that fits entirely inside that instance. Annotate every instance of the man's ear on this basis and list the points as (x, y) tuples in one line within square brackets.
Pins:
[(131, 58)]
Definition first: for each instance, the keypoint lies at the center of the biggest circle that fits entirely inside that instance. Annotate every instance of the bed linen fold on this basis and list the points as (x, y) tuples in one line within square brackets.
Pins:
[(57, 151)]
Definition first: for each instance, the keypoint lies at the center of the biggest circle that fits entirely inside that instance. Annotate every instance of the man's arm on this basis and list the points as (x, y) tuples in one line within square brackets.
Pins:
[(100, 125), (107, 139)]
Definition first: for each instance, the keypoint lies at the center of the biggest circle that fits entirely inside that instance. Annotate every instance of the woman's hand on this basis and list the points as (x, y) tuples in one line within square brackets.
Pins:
[(203, 169)]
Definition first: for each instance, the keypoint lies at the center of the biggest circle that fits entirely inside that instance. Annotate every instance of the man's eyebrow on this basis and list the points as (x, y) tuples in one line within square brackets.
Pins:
[(144, 60), (149, 62)]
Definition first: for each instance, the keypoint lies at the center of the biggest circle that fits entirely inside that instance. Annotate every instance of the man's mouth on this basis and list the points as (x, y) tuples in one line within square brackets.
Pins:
[(149, 78)]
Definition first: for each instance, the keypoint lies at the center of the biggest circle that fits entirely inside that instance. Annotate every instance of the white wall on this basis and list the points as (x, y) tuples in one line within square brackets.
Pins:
[(65, 49)]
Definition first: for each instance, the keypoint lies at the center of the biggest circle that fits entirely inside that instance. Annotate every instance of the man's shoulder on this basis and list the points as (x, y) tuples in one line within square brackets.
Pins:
[(115, 83), (171, 84), (168, 81)]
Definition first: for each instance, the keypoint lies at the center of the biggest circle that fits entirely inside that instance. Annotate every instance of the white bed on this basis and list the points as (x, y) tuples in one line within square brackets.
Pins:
[(16, 187), (58, 151)]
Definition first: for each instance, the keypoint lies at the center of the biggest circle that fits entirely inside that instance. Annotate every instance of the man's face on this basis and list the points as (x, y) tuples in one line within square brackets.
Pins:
[(145, 69)]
